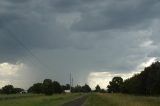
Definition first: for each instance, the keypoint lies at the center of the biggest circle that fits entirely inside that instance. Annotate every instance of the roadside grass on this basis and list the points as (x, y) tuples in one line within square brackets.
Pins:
[(106, 99), (94, 100), (16, 96), (55, 100)]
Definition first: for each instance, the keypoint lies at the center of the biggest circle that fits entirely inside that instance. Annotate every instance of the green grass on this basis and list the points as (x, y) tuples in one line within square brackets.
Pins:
[(121, 100), (99, 99), (14, 96), (94, 100), (55, 100)]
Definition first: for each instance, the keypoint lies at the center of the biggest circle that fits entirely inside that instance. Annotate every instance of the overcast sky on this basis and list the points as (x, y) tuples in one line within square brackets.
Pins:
[(93, 39)]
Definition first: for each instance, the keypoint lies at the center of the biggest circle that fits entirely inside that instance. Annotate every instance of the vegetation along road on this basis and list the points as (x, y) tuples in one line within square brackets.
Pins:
[(54, 100), (105, 99), (81, 99)]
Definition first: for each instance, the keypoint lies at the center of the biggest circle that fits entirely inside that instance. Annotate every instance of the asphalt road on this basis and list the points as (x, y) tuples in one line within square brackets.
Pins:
[(77, 102)]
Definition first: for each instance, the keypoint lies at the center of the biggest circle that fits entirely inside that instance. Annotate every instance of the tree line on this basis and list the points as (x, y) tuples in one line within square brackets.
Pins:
[(145, 83), (47, 87), (9, 89)]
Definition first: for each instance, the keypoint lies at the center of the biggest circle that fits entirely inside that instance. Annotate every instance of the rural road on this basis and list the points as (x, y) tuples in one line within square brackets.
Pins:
[(77, 102)]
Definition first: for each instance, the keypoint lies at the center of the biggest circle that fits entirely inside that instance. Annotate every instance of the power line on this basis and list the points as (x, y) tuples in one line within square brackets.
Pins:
[(13, 36)]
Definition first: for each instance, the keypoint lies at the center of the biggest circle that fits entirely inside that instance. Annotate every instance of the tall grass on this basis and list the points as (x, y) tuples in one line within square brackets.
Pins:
[(55, 100), (16, 96), (121, 100), (94, 100)]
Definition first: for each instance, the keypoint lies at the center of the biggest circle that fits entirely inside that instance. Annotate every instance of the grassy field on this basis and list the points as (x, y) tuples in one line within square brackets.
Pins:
[(16, 96), (94, 99), (121, 100), (37, 100)]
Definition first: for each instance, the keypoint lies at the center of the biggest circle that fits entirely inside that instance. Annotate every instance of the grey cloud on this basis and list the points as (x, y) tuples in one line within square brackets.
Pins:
[(41, 31), (119, 15), (78, 36), (34, 30), (155, 37), (18, 1), (72, 5), (6, 18)]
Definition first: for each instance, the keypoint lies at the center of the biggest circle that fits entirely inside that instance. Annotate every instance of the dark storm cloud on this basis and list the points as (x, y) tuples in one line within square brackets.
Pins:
[(31, 27), (119, 15), (35, 22), (79, 36), (72, 5), (18, 1), (6, 18)]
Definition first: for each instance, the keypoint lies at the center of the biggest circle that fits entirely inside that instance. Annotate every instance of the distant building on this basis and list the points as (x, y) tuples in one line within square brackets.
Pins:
[(67, 91), (23, 92)]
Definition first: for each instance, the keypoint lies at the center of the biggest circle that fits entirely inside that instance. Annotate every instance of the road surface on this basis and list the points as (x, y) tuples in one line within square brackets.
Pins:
[(77, 102)]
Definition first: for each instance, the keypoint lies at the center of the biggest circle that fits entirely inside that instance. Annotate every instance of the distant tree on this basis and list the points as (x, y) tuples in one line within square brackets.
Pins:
[(86, 88), (17, 90), (8, 89), (115, 85), (36, 88), (97, 88), (103, 91), (77, 88), (57, 87), (48, 87), (65, 87)]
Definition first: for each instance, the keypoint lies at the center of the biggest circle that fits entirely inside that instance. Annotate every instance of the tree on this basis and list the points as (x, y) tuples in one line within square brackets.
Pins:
[(98, 89), (57, 87), (0, 91), (102, 91), (8, 89), (48, 87), (17, 90), (145, 83), (65, 87), (77, 88), (36, 88), (86, 88), (115, 85)]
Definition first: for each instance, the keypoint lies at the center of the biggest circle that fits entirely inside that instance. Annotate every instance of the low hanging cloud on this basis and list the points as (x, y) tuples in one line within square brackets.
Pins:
[(102, 78), (10, 72), (7, 69), (18, 75)]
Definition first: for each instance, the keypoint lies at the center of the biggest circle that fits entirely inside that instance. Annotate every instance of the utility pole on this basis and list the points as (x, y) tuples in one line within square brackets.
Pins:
[(70, 82)]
